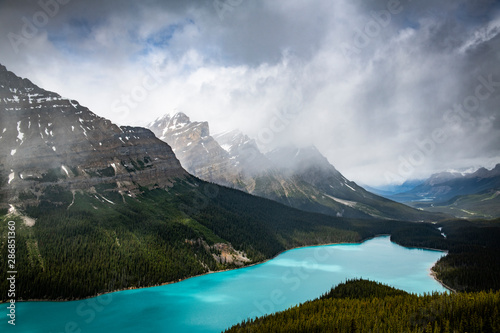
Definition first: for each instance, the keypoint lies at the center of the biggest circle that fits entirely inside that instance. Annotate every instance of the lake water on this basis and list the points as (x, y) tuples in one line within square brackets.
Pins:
[(214, 302)]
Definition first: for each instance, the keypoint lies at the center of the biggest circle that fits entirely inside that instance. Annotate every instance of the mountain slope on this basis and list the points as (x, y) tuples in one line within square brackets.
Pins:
[(309, 167), (298, 177), (46, 140), (485, 204)]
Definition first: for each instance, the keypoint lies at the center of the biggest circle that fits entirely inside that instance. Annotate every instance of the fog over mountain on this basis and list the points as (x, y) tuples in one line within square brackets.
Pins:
[(386, 90), (300, 177)]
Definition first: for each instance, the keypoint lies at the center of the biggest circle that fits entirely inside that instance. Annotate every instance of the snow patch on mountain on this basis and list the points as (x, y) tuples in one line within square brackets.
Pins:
[(226, 147), (349, 187), (12, 175), (20, 135), (349, 203)]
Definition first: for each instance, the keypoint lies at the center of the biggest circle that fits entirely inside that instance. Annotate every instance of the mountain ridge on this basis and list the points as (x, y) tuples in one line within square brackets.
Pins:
[(298, 177), (48, 140), (470, 195), (443, 186)]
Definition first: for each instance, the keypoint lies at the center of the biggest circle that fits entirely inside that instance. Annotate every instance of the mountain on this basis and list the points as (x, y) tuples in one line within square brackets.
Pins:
[(98, 207), (298, 177), (193, 145), (324, 186), (243, 152), (446, 185), (391, 189), (481, 205), (46, 139), (469, 195)]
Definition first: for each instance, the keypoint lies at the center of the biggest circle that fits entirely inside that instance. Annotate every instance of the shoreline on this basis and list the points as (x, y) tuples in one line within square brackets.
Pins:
[(181, 280), (432, 274)]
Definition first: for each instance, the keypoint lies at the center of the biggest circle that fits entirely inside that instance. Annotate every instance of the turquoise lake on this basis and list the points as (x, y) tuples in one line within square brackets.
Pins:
[(214, 302)]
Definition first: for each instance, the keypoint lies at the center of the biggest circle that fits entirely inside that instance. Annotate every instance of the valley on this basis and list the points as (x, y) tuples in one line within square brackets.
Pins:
[(113, 207), (471, 195), (100, 208), (214, 302), (249, 166)]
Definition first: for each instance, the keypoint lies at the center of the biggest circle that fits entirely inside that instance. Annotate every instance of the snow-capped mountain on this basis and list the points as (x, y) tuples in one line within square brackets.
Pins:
[(243, 152), (47, 140), (299, 177), (197, 151)]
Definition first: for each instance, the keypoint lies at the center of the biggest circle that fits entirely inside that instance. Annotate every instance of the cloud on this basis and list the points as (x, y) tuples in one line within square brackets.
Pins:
[(367, 83)]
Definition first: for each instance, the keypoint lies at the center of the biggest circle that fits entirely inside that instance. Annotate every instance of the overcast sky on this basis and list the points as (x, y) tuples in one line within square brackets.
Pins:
[(387, 91)]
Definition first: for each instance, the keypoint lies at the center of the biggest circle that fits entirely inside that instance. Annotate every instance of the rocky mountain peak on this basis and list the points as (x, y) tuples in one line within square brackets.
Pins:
[(180, 119), (164, 127), (485, 173), (198, 152), (47, 140), (14, 87), (446, 176), (496, 169), (243, 152), (231, 140)]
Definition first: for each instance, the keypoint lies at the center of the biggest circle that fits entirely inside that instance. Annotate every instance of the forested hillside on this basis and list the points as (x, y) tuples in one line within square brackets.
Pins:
[(364, 306), (473, 260), (83, 244)]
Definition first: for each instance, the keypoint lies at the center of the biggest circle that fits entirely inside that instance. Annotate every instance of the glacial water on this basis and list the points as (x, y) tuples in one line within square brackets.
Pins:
[(214, 302)]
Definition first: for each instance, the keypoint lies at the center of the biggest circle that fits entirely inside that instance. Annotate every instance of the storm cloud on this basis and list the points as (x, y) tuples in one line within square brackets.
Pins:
[(386, 90)]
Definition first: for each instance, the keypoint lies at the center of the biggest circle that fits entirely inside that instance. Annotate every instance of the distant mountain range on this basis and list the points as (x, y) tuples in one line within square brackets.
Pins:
[(392, 189), (299, 177), (468, 195)]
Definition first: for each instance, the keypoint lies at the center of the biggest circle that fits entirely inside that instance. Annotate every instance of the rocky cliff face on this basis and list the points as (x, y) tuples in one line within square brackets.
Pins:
[(198, 152), (48, 140), (299, 177), (243, 153)]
